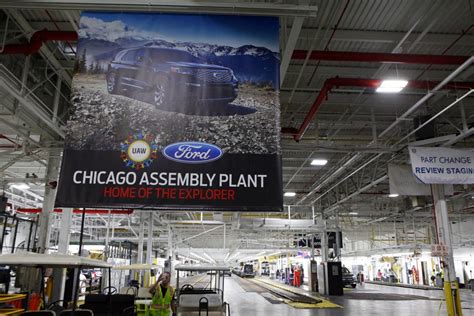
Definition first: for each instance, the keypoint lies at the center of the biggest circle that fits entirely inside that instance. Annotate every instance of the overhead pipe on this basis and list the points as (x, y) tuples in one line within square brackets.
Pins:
[(14, 145), (354, 158), (57, 28), (380, 57), (76, 211), (331, 83), (37, 40)]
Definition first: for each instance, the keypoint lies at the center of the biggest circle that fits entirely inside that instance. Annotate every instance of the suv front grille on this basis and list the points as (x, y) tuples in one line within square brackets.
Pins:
[(213, 76)]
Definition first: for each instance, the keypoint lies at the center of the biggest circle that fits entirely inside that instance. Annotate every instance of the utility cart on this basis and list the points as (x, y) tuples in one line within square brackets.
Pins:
[(54, 260), (205, 299)]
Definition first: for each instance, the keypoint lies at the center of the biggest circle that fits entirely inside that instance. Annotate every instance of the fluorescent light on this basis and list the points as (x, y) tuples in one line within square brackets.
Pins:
[(353, 213), (234, 256), (212, 260), (289, 194), (392, 86), (199, 257), (20, 186), (319, 162), (393, 195)]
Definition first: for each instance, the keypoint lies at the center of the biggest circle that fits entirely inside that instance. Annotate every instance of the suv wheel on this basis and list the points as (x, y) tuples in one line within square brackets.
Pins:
[(160, 93), (113, 82)]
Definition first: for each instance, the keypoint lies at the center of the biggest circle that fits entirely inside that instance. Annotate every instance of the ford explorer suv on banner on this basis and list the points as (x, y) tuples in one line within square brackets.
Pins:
[(170, 75)]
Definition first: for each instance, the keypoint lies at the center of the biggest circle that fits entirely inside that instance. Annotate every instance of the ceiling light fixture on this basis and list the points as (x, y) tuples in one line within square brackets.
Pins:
[(289, 194), (209, 257), (393, 195), (318, 162), (234, 256), (392, 86), (20, 186), (199, 257), (353, 213)]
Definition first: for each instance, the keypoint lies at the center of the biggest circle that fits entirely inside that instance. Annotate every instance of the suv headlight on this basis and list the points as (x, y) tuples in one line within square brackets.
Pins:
[(234, 78), (183, 71)]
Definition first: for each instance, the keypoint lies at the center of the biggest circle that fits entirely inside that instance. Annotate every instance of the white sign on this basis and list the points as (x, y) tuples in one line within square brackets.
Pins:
[(439, 165), (439, 250)]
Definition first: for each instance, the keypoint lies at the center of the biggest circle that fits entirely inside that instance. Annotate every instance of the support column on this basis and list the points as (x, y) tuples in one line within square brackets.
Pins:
[(57, 95), (52, 171), (170, 250), (322, 288), (451, 286), (312, 235), (149, 249), (395, 232), (224, 245), (59, 276), (105, 274), (149, 244), (337, 248), (141, 234), (324, 240), (107, 232)]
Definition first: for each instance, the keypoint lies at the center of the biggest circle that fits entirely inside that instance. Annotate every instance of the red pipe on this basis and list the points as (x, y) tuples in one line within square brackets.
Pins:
[(380, 57), (76, 211), (15, 144), (331, 83), (57, 28), (37, 41)]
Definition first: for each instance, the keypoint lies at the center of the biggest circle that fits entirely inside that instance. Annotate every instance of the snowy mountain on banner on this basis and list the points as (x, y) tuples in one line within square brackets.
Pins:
[(257, 65)]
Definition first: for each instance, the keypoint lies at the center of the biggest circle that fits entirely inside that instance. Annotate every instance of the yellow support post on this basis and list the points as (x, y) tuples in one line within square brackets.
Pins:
[(453, 299)]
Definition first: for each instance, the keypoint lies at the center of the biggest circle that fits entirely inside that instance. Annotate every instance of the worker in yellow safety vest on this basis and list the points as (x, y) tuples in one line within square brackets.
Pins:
[(163, 296)]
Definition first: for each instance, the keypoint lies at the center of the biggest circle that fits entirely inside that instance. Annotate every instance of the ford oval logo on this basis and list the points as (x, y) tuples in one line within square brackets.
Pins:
[(192, 152)]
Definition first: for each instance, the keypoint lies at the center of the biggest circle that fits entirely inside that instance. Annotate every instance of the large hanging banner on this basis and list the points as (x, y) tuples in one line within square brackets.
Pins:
[(174, 111), (439, 165), (403, 182)]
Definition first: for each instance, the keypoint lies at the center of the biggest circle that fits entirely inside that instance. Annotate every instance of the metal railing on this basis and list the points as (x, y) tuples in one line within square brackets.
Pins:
[(32, 103)]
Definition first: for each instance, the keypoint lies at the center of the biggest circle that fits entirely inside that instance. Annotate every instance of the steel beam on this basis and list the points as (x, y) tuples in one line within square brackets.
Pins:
[(226, 7), (290, 46), (387, 37), (380, 57)]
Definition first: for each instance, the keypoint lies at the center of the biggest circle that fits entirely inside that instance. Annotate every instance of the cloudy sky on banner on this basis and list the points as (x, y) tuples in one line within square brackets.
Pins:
[(233, 31)]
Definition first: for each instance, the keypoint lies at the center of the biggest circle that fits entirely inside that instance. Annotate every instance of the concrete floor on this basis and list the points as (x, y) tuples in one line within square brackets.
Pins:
[(360, 301)]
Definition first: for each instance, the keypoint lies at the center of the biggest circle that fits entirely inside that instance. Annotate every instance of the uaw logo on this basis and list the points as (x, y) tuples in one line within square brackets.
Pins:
[(139, 150)]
